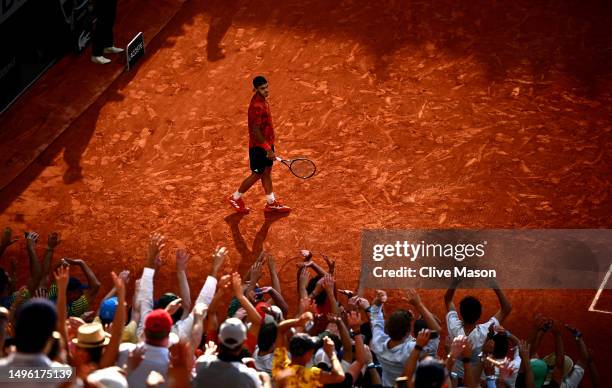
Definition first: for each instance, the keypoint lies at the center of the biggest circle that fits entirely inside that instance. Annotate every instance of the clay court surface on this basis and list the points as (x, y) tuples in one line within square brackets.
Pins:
[(419, 114)]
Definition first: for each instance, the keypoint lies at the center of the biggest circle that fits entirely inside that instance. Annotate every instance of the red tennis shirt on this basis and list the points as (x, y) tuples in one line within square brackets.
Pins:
[(259, 115)]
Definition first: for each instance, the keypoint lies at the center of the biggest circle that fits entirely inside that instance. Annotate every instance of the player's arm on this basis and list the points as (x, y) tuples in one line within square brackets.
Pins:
[(450, 293), (261, 141), (504, 303)]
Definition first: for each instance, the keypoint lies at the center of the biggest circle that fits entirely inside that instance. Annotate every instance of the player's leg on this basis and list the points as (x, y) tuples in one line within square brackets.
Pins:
[(257, 165), (272, 204)]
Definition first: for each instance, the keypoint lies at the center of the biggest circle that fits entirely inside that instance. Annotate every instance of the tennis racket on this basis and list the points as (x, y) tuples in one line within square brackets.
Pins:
[(300, 167)]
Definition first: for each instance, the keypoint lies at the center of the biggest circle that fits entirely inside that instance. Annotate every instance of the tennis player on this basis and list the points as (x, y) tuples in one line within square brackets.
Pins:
[(261, 151)]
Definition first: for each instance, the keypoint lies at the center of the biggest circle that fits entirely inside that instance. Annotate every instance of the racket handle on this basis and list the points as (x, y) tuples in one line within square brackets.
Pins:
[(279, 159)]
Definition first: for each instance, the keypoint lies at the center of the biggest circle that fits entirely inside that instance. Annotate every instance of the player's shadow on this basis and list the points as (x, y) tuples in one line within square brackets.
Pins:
[(248, 256), (220, 22)]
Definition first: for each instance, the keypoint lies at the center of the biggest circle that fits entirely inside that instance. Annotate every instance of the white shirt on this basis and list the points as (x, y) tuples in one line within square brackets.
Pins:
[(263, 363), (515, 364), (477, 337), (391, 360), (183, 327), (156, 358)]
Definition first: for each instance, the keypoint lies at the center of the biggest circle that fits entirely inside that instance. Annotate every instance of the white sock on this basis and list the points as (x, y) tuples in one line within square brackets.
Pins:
[(237, 195), (270, 198)]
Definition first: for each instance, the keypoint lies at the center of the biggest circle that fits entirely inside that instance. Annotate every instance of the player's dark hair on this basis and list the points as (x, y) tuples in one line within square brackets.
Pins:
[(470, 309), (397, 326), (259, 80)]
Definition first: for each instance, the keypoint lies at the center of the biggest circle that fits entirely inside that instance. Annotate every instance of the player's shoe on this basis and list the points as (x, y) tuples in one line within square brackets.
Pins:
[(100, 60), (276, 207), (112, 50), (238, 205)]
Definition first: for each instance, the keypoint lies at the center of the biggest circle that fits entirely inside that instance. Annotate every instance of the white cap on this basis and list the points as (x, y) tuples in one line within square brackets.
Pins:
[(232, 333)]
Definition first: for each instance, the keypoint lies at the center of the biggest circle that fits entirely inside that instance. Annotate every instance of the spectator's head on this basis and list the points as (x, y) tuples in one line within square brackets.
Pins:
[(75, 289), (267, 336), (397, 326), (301, 348), (430, 373), (337, 341), (232, 334), (470, 309), (501, 345), (35, 321), (540, 370), (107, 310), (5, 280), (90, 342), (157, 327), (165, 300)]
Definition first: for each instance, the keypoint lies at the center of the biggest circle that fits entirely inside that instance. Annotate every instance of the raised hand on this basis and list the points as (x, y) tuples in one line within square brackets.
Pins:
[(524, 349), (31, 238), (256, 272), (182, 258), (62, 274), (173, 306), (380, 298), (157, 242), (125, 276), (237, 284), (119, 284), (328, 346), (328, 283), (53, 240), (304, 278), (7, 238), (210, 348), (218, 258), (353, 319), (306, 254), (413, 297), (458, 345)]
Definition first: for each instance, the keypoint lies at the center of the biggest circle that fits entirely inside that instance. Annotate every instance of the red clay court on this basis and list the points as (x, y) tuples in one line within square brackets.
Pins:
[(419, 114)]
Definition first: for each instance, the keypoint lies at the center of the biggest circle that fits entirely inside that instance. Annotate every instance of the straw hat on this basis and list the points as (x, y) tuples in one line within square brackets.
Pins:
[(91, 335)]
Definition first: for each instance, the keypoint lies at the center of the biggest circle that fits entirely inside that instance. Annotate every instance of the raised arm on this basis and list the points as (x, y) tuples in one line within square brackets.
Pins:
[(505, 306), (415, 300), (111, 351), (52, 242), (557, 374), (354, 322), (287, 324), (62, 275), (585, 359), (450, 293), (336, 375), (7, 240), (274, 277), (278, 299), (182, 258), (35, 270), (92, 280), (253, 315), (411, 362)]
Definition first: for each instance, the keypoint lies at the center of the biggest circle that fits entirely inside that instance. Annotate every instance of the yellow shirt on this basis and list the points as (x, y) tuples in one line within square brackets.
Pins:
[(300, 376)]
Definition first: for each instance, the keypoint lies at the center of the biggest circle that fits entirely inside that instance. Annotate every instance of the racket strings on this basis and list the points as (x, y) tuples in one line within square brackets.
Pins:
[(303, 168)]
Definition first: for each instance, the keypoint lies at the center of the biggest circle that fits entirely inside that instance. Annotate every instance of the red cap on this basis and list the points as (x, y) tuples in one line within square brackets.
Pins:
[(158, 324)]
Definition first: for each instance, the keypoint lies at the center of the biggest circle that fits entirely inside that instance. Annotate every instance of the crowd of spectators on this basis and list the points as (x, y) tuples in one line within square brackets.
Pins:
[(239, 332)]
